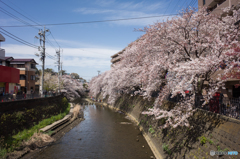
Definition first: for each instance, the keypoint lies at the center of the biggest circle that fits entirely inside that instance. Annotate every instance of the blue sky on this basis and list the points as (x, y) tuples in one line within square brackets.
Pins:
[(86, 47)]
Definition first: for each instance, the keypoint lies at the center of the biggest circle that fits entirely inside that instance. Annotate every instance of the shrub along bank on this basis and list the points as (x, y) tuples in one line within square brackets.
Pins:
[(208, 132), (21, 125)]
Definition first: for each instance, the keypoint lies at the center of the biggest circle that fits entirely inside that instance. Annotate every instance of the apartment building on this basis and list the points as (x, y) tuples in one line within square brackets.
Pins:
[(116, 58), (215, 6), (9, 77)]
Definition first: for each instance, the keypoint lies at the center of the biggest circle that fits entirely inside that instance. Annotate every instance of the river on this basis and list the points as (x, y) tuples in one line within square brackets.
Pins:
[(104, 134)]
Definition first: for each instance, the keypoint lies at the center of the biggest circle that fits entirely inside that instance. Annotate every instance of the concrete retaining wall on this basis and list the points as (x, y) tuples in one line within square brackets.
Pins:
[(28, 103), (219, 132)]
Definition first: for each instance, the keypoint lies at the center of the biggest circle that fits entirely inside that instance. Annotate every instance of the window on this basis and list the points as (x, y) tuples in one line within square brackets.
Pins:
[(33, 77), (204, 2), (20, 66), (33, 66), (22, 77), (0, 62)]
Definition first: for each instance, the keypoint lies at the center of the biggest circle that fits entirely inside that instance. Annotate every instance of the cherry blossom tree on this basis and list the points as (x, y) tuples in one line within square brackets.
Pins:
[(72, 87), (189, 47)]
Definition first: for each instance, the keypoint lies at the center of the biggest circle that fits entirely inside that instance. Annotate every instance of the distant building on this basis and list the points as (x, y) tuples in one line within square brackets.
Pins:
[(116, 57), (215, 6)]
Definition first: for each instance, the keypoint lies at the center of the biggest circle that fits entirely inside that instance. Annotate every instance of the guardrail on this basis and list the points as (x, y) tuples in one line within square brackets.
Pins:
[(225, 106), (10, 97)]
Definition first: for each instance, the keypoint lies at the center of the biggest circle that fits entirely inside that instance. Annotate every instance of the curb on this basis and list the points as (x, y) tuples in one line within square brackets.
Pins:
[(147, 138), (59, 122)]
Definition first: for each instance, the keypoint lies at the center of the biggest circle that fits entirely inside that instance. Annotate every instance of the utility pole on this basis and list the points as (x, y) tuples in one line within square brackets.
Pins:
[(58, 63), (61, 69), (42, 33)]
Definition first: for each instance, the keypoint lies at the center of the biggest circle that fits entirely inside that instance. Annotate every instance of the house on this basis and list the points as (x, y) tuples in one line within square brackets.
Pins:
[(27, 69), (9, 77)]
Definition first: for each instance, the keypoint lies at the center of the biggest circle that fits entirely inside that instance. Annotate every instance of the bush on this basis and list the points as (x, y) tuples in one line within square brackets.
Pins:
[(24, 124), (203, 140), (151, 130), (166, 149)]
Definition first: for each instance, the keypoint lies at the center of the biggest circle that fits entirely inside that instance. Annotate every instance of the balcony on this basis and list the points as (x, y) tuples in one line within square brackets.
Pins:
[(2, 54), (215, 6), (22, 83), (116, 59)]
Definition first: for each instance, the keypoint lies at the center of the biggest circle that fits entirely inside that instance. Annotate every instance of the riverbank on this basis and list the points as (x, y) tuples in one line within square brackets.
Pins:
[(42, 139)]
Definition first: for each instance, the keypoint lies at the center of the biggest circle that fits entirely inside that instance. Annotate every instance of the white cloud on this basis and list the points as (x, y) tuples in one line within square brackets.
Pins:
[(81, 57), (143, 21), (126, 10), (104, 3), (8, 21), (143, 5), (93, 11), (124, 14)]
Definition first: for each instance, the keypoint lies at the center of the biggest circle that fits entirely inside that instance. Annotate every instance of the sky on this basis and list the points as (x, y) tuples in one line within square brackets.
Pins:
[(86, 48)]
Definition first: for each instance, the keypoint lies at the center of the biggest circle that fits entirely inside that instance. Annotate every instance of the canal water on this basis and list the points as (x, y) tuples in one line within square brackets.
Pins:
[(104, 134)]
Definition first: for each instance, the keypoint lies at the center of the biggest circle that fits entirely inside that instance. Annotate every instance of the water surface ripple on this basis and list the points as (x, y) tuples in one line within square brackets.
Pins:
[(104, 134)]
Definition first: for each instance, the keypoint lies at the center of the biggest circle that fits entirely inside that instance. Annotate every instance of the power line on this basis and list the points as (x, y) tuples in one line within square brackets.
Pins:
[(186, 2), (87, 22), (20, 13), (168, 6), (49, 42), (17, 38), (54, 39), (175, 6), (15, 17), (194, 3), (84, 50), (21, 10), (50, 56), (191, 3)]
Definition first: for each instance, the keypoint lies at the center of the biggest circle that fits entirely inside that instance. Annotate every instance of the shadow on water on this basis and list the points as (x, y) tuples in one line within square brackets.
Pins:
[(103, 134)]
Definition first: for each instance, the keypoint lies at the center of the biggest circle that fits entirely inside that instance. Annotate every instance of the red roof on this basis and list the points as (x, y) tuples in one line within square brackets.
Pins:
[(8, 58), (24, 60)]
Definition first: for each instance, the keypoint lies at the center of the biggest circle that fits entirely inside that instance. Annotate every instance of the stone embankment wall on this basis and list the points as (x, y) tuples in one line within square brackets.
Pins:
[(209, 132)]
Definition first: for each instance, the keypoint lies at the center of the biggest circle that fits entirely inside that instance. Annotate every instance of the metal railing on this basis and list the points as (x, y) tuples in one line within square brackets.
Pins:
[(10, 97), (224, 106)]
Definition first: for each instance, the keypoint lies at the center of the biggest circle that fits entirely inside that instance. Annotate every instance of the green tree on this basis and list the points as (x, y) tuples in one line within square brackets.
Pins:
[(75, 75)]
